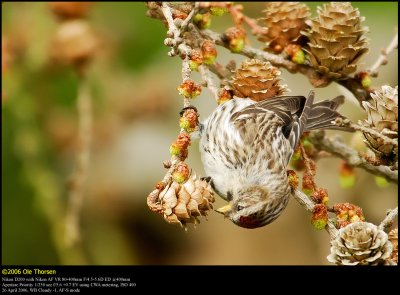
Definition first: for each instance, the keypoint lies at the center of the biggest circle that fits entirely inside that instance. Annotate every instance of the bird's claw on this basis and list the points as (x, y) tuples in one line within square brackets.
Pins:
[(206, 179), (187, 108)]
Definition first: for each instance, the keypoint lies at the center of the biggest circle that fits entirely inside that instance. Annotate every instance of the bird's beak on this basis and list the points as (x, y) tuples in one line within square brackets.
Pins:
[(224, 210)]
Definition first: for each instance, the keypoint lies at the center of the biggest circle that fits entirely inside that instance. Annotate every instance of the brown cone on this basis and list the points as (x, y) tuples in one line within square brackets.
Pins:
[(75, 42), (283, 22), (256, 80), (382, 113), (336, 39), (183, 203), (70, 9), (360, 243)]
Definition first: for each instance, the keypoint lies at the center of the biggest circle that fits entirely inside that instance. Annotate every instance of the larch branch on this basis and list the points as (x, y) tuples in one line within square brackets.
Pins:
[(206, 76), (308, 204), (382, 59), (316, 78), (341, 150), (389, 219), (79, 177), (347, 123)]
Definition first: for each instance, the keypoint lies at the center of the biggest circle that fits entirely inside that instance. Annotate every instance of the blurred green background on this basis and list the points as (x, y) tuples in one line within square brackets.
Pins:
[(136, 106)]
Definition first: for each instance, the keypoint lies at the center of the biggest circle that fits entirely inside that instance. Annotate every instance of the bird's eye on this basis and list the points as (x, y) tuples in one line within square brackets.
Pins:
[(239, 208)]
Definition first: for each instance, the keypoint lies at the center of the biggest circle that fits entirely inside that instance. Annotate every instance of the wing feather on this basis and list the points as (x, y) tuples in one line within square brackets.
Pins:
[(295, 114)]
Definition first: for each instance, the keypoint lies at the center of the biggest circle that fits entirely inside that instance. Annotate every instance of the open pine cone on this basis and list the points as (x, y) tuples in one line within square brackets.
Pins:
[(382, 113), (183, 203), (256, 80), (360, 243), (336, 39), (283, 22)]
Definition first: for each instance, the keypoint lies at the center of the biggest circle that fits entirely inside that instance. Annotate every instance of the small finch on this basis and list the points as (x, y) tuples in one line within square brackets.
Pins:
[(246, 146)]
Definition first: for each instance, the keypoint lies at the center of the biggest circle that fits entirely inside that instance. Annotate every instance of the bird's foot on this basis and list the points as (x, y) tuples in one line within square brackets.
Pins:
[(293, 179), (206, 179)]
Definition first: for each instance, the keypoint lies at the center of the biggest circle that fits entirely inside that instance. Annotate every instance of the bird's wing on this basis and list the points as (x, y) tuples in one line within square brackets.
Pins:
[(288, 112)]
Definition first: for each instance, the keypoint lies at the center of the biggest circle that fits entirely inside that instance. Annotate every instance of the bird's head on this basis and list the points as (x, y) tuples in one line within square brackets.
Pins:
[(252, 207)]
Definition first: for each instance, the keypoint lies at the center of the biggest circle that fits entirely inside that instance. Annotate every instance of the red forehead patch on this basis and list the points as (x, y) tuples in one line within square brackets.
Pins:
[(248, 221)]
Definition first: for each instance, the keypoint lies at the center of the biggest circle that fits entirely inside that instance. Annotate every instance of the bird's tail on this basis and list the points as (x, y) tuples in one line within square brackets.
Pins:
[(323, 115)]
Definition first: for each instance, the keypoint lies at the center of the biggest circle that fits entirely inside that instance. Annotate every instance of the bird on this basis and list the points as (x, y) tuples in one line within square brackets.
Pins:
[(246, 146)]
